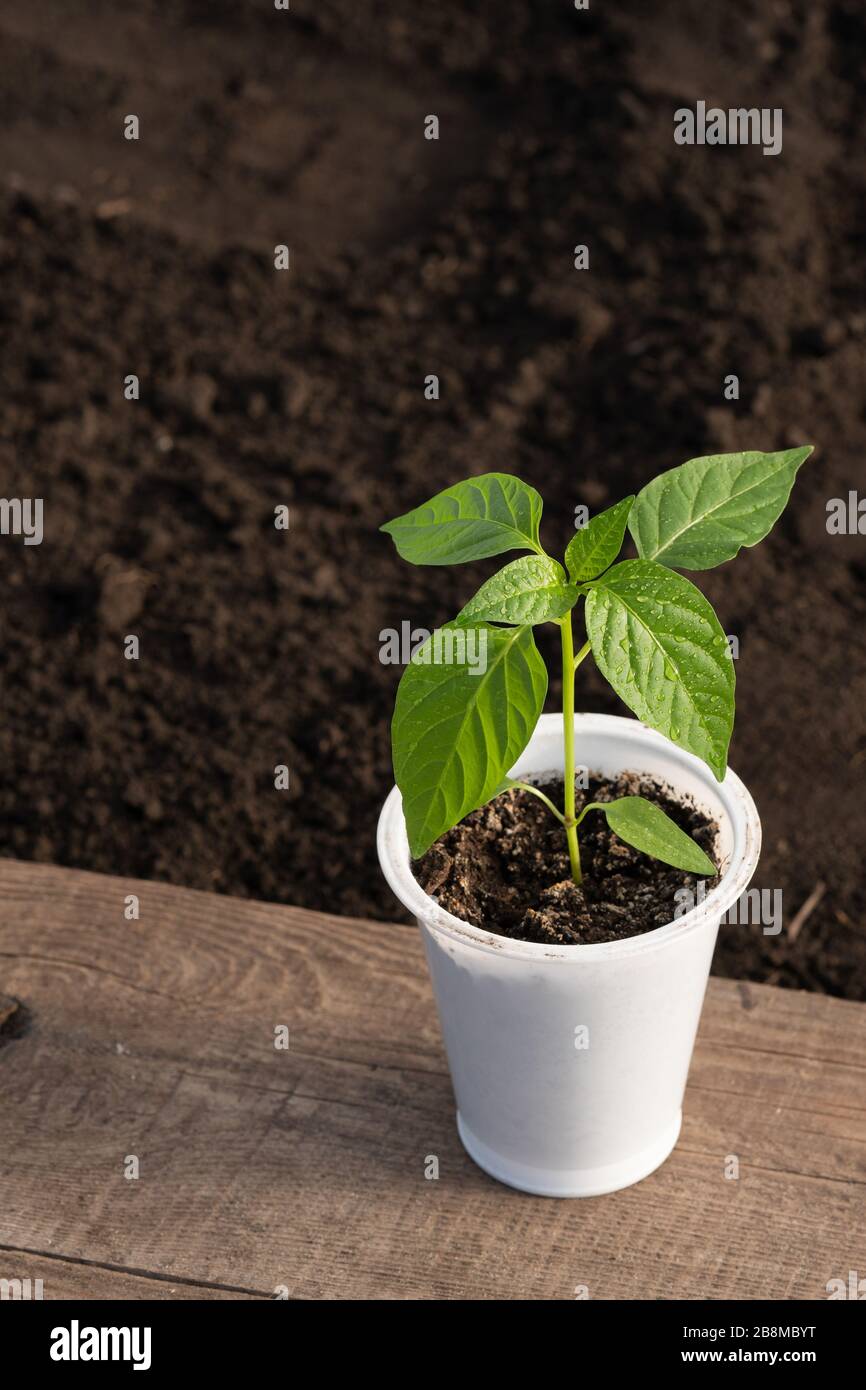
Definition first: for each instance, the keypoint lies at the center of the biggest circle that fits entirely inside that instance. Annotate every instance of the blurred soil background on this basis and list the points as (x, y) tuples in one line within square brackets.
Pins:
[(409, 257)]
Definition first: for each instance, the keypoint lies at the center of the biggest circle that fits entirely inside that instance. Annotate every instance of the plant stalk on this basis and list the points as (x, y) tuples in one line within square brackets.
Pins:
[(528, 787), (568, 665), (584, 651)]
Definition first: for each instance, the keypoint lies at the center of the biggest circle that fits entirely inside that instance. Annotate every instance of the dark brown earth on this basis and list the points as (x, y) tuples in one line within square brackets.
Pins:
[(506, 868), (260, 388)]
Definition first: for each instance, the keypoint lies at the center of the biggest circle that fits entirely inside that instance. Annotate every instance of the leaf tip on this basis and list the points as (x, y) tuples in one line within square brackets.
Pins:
[(799, 453)]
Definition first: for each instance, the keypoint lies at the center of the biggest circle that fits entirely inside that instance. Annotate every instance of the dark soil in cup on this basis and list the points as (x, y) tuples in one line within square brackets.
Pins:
[(506, 869)]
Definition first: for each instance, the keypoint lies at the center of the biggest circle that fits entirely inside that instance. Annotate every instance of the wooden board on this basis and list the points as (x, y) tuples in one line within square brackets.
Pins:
[(264, 1171)]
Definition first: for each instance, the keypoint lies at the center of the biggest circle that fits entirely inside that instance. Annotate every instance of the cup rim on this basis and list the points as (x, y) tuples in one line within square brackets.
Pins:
[(393, 849)]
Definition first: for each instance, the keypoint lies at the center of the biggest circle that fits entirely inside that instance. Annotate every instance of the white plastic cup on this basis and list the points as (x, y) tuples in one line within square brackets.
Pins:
[(537, 1107)]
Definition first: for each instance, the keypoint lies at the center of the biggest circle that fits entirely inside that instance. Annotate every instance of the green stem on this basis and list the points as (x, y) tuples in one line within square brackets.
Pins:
[(536, 791), (584, 651), (568, 667)]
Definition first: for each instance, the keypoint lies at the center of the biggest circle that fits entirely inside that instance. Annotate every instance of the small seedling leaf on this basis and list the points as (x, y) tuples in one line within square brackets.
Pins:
[(595, 547), (702, 513), (658, 642), (458, 729), (646, 827), (483, 516), (533, 589)]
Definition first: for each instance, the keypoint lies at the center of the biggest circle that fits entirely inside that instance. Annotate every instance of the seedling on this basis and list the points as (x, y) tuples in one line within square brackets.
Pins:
[(458, 727)]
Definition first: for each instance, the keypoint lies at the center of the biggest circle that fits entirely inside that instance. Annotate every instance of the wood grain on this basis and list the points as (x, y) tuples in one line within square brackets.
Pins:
[(263, 1170), (72, 1279)]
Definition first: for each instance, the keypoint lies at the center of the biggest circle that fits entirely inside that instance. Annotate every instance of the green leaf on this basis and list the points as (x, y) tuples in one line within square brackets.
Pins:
[(645, 826), (530, 590), (658, 642), (456, 734), (483, 516), (598, 544), (702, 513)]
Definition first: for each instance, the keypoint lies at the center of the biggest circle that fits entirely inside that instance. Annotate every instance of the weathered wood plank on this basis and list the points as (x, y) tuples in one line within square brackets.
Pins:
[(69, 1279), (305, 1168)]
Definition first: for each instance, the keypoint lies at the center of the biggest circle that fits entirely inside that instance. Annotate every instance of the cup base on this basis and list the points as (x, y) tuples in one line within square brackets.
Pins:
[(576, 1182)]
